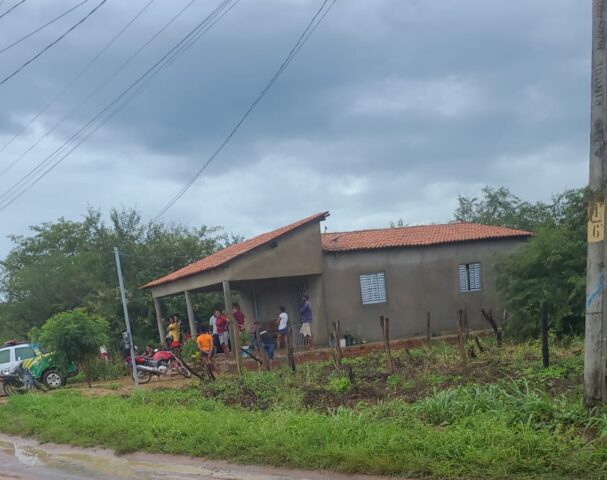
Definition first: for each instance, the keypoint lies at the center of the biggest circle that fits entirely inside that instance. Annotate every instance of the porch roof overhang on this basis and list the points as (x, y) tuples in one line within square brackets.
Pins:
[(292, 250)]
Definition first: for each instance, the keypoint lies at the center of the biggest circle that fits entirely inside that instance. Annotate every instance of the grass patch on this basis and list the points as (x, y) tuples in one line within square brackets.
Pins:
[(502, 418)]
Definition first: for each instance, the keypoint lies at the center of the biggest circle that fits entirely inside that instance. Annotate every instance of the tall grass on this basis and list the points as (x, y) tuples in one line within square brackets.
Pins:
[(467, 432)]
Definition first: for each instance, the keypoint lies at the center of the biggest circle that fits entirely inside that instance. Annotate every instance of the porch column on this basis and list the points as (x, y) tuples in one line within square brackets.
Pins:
[(191, 319), (234, 332), (161, 330)]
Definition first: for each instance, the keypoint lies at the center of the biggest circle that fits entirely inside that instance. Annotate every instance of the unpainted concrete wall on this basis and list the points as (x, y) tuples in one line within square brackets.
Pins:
[(296, 253), (418, 280)]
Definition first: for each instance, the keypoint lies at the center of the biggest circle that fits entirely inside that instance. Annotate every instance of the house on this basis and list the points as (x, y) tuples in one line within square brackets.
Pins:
[(354, 277)]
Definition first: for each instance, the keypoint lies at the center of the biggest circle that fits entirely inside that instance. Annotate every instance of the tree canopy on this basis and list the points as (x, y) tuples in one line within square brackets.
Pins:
[(550, 269), (66, 264), (73, 336)]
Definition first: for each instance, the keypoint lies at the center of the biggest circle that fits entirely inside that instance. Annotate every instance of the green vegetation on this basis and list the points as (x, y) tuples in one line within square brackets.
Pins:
[(65, 265), (502, 417), (74, 337), (550, 269)]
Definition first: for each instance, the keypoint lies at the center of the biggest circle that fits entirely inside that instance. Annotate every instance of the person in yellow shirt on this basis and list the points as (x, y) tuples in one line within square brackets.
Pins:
[(174, 330), (205, 345)]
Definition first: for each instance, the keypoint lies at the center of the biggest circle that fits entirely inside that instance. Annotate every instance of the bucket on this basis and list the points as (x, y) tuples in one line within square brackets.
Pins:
[(342, 342), (244, 353)]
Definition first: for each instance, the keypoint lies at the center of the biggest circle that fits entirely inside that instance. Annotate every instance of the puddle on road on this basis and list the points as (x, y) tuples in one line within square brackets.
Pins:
[(100, 465)]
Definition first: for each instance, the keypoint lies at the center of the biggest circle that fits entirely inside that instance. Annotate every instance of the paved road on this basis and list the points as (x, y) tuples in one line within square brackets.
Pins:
[(27, 460)]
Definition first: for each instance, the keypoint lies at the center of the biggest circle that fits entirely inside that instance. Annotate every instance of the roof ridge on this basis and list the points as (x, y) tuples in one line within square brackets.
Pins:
[(428, 225)]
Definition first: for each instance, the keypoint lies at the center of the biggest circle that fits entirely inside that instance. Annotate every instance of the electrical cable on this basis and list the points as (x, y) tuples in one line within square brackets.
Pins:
[(204, 25), (50, 22), (85, 100), (311, 27), (66, 88), (53, 43), (11, 9)]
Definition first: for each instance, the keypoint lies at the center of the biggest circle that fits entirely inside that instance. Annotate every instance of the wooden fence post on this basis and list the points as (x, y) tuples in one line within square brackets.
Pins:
[(337, 336), (290, 348), (488, 316), (428, 336), (544, 328), (385, 322), (460, 335)]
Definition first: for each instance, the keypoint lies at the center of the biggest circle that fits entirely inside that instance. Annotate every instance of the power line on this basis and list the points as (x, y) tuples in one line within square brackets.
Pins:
[(11, 9), (65, 89), (205, 25), (85, 100), (310, 28), (53, 43), (50, 22)]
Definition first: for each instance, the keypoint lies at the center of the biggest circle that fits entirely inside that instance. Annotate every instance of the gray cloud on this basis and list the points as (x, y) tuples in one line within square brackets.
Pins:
[(391, 110)]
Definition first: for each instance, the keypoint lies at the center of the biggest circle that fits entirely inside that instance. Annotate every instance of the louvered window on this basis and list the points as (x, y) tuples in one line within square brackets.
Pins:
[(469, 277), (373, 288)]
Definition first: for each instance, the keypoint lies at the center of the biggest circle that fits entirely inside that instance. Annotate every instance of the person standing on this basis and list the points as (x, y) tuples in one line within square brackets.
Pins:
[(213, 325), (205, 345), (306, 322), (283, 320), (222, 323), (238, 316), (174, 330)]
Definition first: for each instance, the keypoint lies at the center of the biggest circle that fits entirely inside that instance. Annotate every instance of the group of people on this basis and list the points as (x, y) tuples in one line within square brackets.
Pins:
[(216, 336)]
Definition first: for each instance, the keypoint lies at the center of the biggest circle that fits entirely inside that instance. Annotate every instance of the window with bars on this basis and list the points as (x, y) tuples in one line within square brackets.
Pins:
[(373, 288), (470, 277)]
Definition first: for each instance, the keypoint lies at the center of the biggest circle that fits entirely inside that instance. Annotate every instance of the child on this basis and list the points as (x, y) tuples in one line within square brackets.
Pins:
[(205, 344)]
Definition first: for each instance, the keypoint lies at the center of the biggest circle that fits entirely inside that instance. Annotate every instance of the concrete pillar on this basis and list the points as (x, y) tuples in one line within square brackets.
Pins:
[(191, 319), (320, 325), (234, 332), (161, 330)]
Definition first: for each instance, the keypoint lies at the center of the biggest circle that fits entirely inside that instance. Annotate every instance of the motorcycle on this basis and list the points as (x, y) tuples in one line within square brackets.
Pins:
[(159, 364), (19, 380)]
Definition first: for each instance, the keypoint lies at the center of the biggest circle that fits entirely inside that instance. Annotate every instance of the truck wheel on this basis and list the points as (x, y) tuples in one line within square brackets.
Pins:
[(53, 379)]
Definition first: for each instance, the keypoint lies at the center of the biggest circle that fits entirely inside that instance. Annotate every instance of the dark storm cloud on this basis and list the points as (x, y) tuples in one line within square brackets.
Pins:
[(392, 109)]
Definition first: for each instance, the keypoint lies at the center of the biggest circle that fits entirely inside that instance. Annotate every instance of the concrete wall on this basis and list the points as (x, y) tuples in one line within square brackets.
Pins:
[(296, 253), (418, 280), (269, 294)]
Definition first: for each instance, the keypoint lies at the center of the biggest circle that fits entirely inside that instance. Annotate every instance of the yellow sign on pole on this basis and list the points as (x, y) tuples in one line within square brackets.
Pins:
[(596, 223)]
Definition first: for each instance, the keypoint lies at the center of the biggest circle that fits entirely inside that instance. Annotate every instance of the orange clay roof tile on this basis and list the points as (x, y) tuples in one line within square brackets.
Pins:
[(415, 236)]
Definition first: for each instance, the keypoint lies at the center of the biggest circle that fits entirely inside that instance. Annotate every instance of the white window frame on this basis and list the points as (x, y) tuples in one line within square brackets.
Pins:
[(373, 288), (470, 277)]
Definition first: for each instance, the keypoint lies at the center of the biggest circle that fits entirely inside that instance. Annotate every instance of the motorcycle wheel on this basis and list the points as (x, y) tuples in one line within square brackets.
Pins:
[(143, 377), (181, 368), (10, 389)]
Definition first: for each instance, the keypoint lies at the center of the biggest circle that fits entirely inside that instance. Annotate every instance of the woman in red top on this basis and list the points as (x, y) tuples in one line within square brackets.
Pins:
[(222, 323)]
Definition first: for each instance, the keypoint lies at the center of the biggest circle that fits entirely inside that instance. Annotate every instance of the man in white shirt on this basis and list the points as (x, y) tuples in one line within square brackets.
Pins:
[(282, 320), (213, 324)]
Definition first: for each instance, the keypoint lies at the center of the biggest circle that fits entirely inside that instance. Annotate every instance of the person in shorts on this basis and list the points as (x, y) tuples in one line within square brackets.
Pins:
[(282, 320), (205, 345), (306, 322), (222, 324), (213, 325)]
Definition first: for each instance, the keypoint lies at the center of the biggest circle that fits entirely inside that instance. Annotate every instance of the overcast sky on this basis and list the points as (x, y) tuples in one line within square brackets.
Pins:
[(392, 109)]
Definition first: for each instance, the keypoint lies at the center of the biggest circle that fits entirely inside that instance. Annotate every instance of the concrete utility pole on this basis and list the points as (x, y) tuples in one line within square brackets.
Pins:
[(126, 316), (595, 342)]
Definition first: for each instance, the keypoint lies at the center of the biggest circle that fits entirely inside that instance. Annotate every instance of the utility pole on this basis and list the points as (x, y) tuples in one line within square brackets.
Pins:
[(126, 316), (595, 343)]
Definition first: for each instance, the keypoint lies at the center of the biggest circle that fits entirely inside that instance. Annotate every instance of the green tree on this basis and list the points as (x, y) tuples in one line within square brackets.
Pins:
[(66, 264), (498, 206), (74, 336), (550, 269)]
